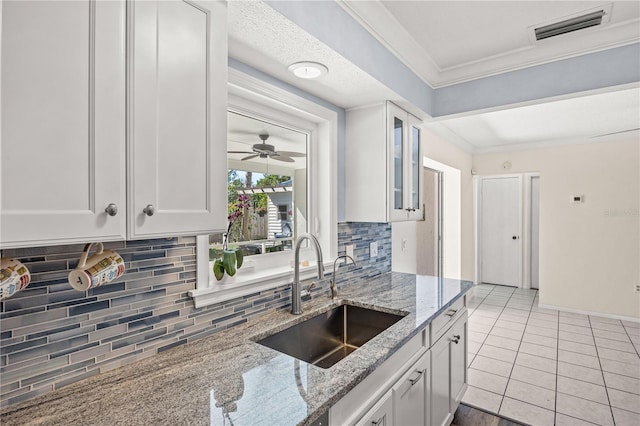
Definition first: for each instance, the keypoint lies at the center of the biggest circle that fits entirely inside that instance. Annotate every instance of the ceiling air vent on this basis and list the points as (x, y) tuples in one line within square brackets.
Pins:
[(579, 21)]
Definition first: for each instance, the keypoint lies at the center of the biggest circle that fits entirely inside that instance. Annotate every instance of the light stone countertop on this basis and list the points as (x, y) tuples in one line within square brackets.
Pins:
[(228, 379)]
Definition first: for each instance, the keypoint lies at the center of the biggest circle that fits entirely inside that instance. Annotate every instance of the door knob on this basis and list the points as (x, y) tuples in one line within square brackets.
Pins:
[(111, 209), (149, 210)]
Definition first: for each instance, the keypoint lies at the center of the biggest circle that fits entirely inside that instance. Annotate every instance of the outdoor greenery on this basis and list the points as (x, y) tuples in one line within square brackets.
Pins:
[(239, 229)]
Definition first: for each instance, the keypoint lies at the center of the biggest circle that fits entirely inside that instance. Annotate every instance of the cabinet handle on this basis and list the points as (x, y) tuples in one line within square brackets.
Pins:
[(380, 422), (415, 379), (451, 312), (456, 339), (149, 210), (111, 209)]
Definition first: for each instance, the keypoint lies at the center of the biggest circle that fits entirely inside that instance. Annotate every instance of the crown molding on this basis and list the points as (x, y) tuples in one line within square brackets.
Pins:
[(378, 21)]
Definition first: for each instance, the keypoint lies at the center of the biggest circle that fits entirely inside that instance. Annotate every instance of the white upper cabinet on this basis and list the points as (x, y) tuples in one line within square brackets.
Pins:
[(63, 122), (178, 111), (383, 165), (106, 111)]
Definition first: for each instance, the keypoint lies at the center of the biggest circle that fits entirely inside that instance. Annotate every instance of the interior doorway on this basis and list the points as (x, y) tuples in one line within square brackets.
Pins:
[(500, 211), (431, 262)]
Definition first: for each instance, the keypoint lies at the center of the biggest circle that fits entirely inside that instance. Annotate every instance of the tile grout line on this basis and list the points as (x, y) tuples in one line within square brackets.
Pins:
[(606, 389), (517, 351), (474, 311), (624, 327)]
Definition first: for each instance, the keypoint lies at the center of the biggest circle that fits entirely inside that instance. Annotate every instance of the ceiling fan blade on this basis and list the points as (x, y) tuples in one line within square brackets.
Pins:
[(239, 152), (249, 157), (292, 154), (283, 158)]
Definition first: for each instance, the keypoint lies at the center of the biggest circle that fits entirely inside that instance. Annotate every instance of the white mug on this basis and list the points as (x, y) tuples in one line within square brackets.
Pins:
[(101, 268), (14, 276)]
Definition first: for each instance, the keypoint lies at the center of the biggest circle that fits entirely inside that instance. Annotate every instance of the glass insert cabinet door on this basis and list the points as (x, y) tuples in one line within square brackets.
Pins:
[(405, 171), (398, 163)]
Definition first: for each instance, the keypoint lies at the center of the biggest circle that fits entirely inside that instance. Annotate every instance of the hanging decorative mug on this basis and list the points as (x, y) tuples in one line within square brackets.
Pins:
[(101, 268), (14, 276)]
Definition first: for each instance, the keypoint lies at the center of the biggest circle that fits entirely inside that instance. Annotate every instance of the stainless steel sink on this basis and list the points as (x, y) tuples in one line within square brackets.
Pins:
[(327, 338)]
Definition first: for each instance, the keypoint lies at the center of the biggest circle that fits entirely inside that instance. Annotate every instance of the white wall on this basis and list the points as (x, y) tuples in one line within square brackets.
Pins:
[(589, 252), (462, 261)]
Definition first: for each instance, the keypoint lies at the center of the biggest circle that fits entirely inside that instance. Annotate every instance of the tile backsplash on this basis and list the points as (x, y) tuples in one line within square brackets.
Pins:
[(52, 335)]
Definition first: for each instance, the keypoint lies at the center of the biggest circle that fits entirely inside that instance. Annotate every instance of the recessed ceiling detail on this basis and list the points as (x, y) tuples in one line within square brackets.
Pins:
[(449, 42)]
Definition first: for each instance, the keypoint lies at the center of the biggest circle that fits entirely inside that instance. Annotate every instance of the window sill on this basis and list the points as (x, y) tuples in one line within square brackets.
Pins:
[(250, 280)]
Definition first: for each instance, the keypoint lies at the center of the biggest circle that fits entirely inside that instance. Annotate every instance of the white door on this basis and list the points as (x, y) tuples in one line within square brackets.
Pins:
[(500, 241), (63, 122), (179, 118), (535, 229)]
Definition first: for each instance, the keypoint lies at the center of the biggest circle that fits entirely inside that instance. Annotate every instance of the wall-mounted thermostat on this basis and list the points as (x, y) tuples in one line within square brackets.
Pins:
[(577, 199)]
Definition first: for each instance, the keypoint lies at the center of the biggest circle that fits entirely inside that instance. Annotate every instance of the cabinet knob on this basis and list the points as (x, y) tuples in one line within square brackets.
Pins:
[(149, 210), (456, 339), (111, 209)]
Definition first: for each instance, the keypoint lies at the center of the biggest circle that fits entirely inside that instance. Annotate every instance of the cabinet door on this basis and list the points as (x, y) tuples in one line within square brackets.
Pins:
[(415, 169), (63, 122), (380, 414), (409, 395), (440, 385), (397, 162), (178, 120), (458, 346)]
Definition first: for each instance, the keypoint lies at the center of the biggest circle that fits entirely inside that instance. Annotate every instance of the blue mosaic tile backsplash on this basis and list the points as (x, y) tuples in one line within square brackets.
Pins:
[(52, 335)]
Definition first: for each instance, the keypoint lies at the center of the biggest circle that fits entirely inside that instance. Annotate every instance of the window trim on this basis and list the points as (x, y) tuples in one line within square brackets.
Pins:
[(252, 96)]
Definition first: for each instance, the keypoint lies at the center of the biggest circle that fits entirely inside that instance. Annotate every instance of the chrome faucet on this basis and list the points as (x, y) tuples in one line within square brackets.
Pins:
[(332, 283), (296, 300)]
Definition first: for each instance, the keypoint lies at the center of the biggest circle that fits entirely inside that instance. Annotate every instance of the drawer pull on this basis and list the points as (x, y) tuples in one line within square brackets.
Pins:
[(380, 422), (416, 378), (451, 312)]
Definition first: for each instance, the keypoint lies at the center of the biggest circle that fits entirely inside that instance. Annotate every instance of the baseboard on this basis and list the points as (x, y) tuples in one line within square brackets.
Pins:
[(580, 311)]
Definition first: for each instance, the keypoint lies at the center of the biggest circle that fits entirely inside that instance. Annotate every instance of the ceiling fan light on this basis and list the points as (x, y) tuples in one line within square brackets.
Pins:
[(308, 70)]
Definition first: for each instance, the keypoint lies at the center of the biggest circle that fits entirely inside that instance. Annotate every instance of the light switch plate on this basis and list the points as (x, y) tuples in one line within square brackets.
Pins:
[(373, 249), (349, 252)]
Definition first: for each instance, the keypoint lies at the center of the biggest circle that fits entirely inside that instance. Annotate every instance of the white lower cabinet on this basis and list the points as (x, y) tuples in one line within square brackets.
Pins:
[(415, 386), (448, 372), (380, 414), (409, 394)]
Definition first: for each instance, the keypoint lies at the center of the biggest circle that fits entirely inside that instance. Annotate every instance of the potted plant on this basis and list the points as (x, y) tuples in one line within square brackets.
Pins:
[(231, 259)]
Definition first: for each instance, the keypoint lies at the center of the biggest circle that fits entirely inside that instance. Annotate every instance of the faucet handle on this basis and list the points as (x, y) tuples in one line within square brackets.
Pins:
[(306, 294)]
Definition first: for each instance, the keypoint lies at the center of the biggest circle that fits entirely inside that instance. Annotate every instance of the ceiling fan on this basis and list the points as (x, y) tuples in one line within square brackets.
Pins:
[(264, 150)]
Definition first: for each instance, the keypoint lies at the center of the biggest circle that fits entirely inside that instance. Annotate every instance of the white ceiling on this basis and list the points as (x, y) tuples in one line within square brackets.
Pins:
[(447, 42), (451, 41), (603, 116), (263, 38)]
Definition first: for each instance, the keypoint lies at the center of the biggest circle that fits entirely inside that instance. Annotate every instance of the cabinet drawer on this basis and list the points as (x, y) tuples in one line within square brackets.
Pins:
[(445, 319)]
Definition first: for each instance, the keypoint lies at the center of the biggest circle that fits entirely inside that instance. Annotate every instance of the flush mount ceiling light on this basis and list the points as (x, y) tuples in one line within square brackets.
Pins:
[(308, 70)]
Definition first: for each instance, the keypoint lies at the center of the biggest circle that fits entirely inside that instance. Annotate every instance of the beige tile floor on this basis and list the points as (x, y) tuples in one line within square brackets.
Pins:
[(544, 367)]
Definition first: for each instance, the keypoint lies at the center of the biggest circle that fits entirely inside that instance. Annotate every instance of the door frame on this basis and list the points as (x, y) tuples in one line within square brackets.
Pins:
[(451, 217), (527, 231), (440, 213), (477, 217)]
